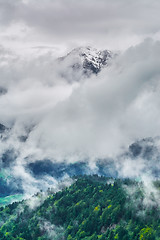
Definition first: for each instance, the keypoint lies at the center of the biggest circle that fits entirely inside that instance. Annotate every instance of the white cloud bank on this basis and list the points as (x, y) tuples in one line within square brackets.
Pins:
[(105, 113), (93, 118)]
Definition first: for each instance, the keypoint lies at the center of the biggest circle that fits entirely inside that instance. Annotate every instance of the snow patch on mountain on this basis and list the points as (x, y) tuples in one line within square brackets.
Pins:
[(86, 61)]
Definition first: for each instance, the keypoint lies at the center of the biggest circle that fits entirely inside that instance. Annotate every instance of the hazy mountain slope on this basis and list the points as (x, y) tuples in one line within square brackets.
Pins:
[(91, 208), (145, 151)]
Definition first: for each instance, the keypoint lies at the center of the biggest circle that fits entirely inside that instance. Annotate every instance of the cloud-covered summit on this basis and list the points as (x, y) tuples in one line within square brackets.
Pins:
[(82, 62), (92, 118)]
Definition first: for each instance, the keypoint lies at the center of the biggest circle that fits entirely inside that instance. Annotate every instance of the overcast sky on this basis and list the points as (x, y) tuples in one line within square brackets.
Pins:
[(26, 25)]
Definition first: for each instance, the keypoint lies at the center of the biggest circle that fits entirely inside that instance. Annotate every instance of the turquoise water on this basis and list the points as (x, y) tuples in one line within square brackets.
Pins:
[(9, 199)]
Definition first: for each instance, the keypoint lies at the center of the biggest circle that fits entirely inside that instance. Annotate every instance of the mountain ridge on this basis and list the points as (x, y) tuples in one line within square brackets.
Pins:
[(87, 59)]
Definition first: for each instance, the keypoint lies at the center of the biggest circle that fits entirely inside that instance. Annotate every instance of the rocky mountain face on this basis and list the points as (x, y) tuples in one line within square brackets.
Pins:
[(2, 128), (85, 61)]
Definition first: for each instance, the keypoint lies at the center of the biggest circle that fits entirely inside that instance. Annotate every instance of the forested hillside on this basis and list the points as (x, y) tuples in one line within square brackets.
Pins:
[(91, 208)]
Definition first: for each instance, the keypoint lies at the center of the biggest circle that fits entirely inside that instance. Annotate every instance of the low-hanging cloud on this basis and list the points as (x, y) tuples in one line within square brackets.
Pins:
[(90, 119), (106, 112)]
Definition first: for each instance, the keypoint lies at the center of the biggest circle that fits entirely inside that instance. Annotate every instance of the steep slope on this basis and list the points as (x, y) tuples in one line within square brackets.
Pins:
[(2, 128), (91, 208)]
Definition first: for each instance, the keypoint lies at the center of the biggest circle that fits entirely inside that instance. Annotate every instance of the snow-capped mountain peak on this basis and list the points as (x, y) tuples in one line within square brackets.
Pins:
[(88, 59)]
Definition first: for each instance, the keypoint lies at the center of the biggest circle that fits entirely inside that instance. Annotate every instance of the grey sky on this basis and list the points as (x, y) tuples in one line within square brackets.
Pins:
[(113, 24)]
